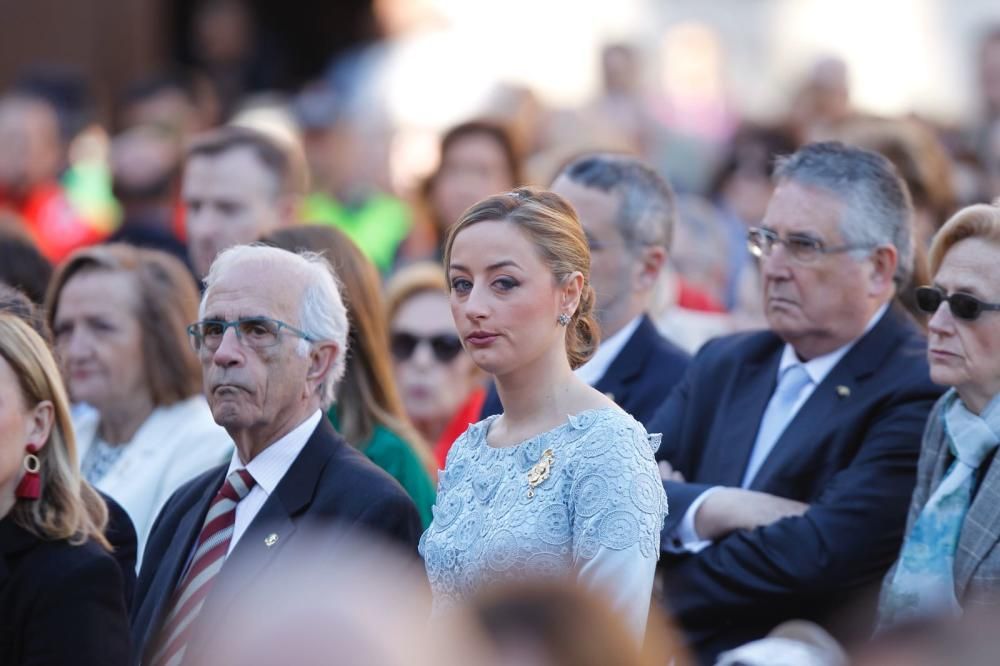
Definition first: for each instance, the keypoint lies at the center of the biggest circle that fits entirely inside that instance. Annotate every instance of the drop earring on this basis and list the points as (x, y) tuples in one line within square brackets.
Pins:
[(30, 487)]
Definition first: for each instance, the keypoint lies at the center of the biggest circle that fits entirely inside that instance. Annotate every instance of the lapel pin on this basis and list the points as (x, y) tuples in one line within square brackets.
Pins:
[(270, 540), (843, 391)]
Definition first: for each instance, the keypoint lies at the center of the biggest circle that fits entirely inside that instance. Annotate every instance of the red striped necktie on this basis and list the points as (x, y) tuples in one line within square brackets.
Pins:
[(209, 556)]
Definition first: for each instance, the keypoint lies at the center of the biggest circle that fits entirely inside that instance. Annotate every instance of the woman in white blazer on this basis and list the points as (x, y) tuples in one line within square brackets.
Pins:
[(119, 316)]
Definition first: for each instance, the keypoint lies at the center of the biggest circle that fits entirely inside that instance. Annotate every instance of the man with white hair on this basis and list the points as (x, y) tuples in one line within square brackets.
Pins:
[(272, 343)]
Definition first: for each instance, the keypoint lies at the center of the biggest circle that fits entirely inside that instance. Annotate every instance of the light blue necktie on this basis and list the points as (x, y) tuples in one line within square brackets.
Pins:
[(924, 582), (779, 413)]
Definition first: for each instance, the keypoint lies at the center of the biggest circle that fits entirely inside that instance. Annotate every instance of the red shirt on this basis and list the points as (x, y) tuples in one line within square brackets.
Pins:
[(464, 417)]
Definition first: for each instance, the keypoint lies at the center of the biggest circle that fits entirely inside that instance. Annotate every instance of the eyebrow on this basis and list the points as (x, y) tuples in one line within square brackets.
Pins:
[(962, 288), (209, 317), (492, 267)]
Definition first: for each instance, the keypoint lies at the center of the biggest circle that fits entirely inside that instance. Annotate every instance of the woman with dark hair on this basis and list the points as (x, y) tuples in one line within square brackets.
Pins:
[(562, 484), (61, 593), (119, 317), (368, 412), (477, 159)]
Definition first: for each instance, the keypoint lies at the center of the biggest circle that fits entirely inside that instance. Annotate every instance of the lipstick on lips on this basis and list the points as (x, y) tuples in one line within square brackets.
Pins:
[(481, 338)]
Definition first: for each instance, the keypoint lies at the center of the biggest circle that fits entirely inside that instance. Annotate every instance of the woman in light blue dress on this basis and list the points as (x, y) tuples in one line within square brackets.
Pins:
[(563, 483)]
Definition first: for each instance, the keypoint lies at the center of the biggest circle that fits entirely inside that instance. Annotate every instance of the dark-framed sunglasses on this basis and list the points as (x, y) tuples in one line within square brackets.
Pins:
[(445, 346), (962, 306)]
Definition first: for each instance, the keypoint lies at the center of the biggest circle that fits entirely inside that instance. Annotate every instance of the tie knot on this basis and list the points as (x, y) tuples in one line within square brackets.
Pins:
[(237, 485), (793, 379)]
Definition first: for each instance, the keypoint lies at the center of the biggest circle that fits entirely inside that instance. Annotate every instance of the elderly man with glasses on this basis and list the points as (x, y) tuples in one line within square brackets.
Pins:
[(272, 341), (789, 455)]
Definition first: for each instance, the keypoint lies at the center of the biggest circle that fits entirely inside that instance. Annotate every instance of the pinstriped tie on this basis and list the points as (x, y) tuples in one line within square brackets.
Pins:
[(209, 556)]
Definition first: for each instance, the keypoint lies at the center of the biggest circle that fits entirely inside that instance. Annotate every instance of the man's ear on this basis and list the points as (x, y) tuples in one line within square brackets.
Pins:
[(884, 260), (288, 209), (649, 264), (322, 358)]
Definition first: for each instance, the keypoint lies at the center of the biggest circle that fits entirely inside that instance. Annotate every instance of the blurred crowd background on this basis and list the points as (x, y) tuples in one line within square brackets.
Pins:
[(394, 116), (101, 98)]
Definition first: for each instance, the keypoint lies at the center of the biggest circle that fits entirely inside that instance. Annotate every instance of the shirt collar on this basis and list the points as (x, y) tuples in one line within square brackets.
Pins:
[(271, 464), (592, 371), (818, 368)]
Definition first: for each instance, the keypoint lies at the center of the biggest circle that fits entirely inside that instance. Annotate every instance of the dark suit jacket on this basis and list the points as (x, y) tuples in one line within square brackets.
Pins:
[(645, 371), (59, 603), (850, 452), (121, 533), (329, 483)]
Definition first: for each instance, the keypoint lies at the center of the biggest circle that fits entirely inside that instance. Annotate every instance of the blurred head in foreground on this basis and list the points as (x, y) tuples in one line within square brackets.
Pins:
[(552, 623), (371, 608)]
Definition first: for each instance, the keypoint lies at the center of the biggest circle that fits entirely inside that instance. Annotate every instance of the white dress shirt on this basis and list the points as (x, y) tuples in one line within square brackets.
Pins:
[(686, 537), (267, 469), (593, 370)]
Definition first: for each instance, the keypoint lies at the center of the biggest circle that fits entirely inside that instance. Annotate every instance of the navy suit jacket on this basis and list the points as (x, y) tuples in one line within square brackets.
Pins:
[(329, 483), (645, 370), (850, 453)]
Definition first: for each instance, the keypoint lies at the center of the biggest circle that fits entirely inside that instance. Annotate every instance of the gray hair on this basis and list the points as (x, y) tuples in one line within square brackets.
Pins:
[(321, 314), (647, 210), (877, 205)]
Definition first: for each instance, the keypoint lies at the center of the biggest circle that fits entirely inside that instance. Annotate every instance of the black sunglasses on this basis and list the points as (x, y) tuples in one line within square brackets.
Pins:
[(445, 347), (963, 306)]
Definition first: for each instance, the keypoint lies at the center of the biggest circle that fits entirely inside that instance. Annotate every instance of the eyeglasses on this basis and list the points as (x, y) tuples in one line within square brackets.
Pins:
[(445, 347), (254, 332), (963, 306), (801, 248)]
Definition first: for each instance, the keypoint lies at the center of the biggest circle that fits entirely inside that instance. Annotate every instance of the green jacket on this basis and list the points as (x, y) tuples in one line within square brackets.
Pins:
[(388, 450)]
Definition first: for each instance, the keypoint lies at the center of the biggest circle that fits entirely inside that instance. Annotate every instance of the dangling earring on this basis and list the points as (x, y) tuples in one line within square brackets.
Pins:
[(563, 319), (30, 487)]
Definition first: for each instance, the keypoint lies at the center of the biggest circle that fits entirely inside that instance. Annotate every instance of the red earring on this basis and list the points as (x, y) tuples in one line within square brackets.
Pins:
[(30, 487)]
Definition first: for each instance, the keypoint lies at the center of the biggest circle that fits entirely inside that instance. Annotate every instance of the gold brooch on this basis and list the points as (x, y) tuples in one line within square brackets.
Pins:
[(540, 472)]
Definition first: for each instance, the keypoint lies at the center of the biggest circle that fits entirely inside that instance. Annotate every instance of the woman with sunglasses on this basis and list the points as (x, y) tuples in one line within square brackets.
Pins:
[(441, 387), (368, 413), (561, 485), (950, 558)]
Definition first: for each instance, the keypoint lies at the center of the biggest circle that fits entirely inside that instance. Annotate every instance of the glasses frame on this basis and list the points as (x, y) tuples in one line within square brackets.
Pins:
[(979, 306), (198, 340), (818, 247)]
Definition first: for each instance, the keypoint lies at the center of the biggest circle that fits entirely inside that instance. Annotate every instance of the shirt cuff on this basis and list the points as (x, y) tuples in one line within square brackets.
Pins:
[(684, 538)]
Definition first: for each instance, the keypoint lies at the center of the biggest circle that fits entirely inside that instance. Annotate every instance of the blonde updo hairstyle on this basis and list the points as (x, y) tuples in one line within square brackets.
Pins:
[(551, 224)]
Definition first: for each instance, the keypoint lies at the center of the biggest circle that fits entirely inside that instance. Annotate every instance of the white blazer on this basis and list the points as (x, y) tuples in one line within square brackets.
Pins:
[(175, 444)]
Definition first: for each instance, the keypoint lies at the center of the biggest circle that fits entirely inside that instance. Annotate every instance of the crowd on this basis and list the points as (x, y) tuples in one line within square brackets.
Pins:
[(562, 401)]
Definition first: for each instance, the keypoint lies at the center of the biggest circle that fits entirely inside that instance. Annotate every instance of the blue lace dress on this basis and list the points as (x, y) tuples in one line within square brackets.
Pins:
[(596, 517)]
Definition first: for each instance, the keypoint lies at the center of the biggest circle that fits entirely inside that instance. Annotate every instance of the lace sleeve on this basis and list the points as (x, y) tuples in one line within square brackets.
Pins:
[(617, 496), (618, 508)]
